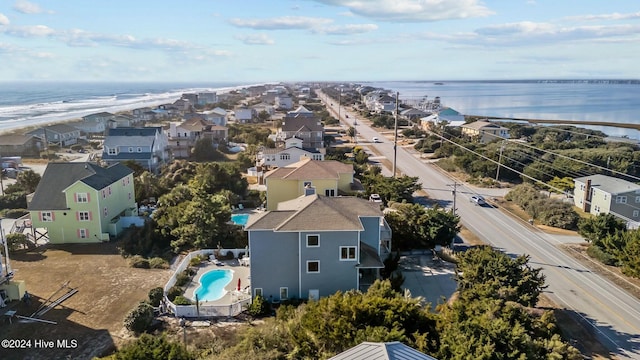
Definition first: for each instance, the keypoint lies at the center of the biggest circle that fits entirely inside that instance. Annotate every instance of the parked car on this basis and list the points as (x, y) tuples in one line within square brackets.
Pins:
[(478, 200), (375, 198)]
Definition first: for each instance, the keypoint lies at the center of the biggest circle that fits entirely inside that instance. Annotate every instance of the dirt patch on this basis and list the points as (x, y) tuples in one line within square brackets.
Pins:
[(107, 290), (470, 238)]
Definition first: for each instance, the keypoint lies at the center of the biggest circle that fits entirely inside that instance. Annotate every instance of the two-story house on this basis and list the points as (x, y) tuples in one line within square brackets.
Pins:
[(146, 146), (292, 152), (19, 145), (484, 131), (217, 116), (283, 102), (82, 202), (316, 245), (95, 124), (302, 124), (602, 194), (244, 115), (58, 134), (330, 178)]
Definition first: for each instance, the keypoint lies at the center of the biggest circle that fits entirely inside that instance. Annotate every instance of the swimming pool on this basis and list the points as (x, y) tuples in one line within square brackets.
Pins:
[(240, 219), (212, 285)]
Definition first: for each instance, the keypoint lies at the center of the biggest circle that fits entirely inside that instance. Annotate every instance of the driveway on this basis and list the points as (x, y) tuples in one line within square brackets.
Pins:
[(431, 279)]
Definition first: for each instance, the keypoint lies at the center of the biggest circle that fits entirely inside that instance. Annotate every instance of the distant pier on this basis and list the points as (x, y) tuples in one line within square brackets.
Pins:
[(563, 122)]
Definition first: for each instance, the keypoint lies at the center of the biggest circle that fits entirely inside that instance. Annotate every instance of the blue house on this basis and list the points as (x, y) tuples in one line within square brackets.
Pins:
[(147, 146), (316, 245)]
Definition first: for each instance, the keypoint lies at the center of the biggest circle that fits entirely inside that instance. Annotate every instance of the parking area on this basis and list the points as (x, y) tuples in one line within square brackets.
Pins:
[(430, 278)]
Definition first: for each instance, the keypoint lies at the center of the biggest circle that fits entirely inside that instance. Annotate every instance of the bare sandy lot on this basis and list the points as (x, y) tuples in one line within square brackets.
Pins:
[(107, 290)]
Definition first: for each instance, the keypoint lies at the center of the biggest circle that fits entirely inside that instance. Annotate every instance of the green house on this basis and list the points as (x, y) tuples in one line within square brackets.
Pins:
[(82, 202)]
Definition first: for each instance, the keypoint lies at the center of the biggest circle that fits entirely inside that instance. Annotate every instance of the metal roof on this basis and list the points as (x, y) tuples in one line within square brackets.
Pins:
[(382, 351)]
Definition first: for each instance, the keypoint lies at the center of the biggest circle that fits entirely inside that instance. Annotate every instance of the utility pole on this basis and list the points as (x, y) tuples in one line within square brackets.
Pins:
[(339, 106), (395, 137), (453, 192), (499, 160)]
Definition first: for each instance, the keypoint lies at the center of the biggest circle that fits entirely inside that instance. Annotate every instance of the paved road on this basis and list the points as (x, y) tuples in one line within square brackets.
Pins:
[(612, 313)]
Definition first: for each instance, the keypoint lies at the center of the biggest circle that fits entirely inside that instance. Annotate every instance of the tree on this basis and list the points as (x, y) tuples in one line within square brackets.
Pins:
[(151, 347), (139, 319), (351, 132), (489, 273), (414, 227), (26, 181), (136, 167), (16, 241), (203, 150), (155, 296), (596, 228)]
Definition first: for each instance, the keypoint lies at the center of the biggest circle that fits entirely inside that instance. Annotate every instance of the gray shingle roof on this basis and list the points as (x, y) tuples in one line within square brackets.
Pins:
[(59, 176), (295, 123), (308, 169), (317, 212), (133, 141), (382, 351), (127, 131), (609, 184)]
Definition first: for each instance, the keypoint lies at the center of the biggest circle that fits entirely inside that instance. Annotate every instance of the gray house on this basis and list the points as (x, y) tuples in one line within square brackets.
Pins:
[(601, 194), (315, 245), (146, 146), (377, 350)]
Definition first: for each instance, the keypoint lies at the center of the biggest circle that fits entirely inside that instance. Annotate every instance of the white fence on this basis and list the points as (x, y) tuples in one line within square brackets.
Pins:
[(201, 310)]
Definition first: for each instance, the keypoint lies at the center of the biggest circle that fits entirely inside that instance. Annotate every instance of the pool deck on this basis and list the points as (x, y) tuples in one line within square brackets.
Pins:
[(231, 296)]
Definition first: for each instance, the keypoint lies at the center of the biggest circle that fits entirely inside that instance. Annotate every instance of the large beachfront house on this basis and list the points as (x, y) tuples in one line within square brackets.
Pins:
[(82, 202), (19, 145), (601, 194), (484, 131), (147, 146), (291, 153), (316, 245), (58, 134), (330, 178)]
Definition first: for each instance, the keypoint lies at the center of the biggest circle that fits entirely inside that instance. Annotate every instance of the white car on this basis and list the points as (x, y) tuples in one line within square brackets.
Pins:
[(375, 198), (478, 200), (376, 140)]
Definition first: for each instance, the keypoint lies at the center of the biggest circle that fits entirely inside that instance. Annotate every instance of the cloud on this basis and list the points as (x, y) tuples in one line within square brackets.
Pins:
[(613, 16), (3, 19), (30, 31), (26, 7), (348, 29), (413, 10), (354, 42), (255, 39), (44, 55), (281, 23)]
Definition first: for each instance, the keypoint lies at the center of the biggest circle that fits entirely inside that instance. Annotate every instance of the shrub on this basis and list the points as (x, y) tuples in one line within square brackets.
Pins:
[(139, 319), (229, 255), (195, 261), (155, 296), (181, 300), (16, 241), (151, 347), (258, 307), (13, 213), (182, 279), (158, 263), (138, 261), (597, 253), (173, 292)]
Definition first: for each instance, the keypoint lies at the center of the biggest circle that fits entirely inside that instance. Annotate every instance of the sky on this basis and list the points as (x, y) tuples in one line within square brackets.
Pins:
[(250, 41)]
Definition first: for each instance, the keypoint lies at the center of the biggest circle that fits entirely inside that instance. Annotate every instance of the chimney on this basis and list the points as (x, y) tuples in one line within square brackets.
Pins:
[(586, 202)]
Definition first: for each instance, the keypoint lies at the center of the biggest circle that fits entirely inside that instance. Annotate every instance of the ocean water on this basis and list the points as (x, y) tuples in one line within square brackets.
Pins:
[(25, 104), (614, 101)]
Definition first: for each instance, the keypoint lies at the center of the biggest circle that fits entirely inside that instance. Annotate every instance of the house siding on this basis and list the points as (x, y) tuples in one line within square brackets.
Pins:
[(276, 265), (334, 274), (371, 233)]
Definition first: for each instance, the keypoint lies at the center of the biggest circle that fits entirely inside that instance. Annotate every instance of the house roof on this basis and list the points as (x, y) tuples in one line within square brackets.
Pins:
[(278, 150), (97, 115), (117, 140), (301, 110), (296, 123), (15, 139), (317, 213), (58, 176), (382, 351), (479, 125), (609, 184), (130, 131), (308, 169), (369, 258), (56, 128)]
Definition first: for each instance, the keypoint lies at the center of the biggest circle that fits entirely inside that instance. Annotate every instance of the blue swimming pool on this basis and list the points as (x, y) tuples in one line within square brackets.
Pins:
[(240, 219), (212, 285)]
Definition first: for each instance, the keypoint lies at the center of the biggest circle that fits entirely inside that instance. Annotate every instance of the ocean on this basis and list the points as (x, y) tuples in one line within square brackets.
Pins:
[(595, 100), (25, 104)]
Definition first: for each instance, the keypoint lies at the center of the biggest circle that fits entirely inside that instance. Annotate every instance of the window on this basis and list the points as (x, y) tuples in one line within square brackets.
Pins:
[(284, 293), (104, 194), (257, 292), (330, 192), (109, 190), (82, 197), (129, 195), (106, 211), (638, 199), (83, 233), (285, 156), (636, 213), (313, 266), (112, 151), (139, 149), (306, 184), (348, 252), (313, 240), (621, 199), (130, 149), (46, 216), (84, 216)]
